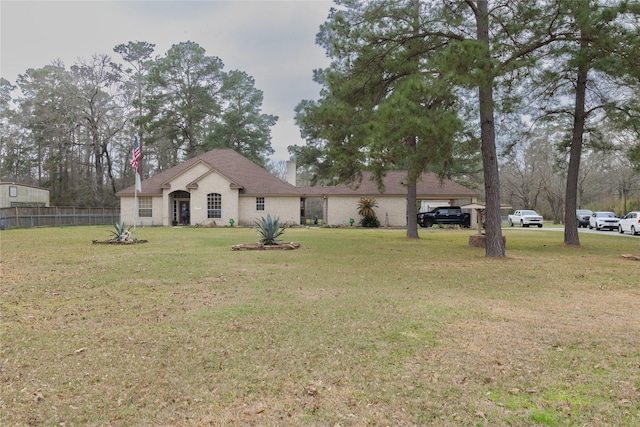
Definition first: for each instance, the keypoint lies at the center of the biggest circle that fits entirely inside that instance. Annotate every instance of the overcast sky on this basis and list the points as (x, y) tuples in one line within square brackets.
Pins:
[(272, 41)]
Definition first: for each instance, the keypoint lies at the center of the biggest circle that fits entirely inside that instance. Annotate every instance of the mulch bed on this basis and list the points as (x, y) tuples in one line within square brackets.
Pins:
[(260, 247), (118, 242)]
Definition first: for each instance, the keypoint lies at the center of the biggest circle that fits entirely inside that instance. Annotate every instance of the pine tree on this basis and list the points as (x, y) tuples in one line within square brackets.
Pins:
[(384, 104)]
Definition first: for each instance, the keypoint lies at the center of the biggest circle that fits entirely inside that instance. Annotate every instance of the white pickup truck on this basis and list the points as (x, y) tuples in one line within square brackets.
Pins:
[(525, 218)]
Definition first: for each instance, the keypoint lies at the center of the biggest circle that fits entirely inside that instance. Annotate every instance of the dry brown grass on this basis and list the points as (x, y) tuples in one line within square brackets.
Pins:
[(355, 328)]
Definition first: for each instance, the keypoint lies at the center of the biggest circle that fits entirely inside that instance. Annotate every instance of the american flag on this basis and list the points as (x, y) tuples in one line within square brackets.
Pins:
[(135, 159), (135, 162)]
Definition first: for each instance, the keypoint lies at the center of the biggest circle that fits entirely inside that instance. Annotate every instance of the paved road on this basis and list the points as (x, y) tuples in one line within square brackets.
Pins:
[(580, 230)]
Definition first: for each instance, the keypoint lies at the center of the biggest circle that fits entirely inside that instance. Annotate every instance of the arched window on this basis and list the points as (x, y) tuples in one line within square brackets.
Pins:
[(214, 205)]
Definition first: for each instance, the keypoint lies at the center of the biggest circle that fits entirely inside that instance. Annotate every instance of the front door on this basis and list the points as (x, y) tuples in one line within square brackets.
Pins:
[(184, 215)]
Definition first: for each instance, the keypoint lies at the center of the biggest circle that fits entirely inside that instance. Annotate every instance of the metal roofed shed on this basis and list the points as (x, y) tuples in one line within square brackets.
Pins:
[(13, 194)]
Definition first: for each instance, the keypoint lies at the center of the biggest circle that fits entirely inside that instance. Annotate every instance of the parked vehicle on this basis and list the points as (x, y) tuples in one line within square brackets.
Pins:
[(630, 222), (602, 220), (582, 216), (451, 215), (525, 218)]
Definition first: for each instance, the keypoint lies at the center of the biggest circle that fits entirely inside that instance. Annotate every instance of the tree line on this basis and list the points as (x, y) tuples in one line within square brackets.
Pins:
[(71, 129), (456, 86), (533, 174), (483, 91)]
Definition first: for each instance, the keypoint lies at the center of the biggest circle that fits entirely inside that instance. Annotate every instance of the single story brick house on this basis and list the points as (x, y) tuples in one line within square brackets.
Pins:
[(225, 187), (340, 202)]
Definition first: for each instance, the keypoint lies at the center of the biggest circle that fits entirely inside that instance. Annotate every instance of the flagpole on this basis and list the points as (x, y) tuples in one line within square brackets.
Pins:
[(135, 207), (135, 162)]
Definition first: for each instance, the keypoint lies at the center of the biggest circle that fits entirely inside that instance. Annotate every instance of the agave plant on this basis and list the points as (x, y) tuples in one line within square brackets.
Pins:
[(269, 229), (121, 231)]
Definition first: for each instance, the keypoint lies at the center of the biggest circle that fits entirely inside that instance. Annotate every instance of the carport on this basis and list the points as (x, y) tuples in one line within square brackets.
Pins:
[(480, 208)]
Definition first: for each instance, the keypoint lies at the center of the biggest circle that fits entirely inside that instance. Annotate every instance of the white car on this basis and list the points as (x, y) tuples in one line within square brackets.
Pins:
[(601, 220), (630, 223)]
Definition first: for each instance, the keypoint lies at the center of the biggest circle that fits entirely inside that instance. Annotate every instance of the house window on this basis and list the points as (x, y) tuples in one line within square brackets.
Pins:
[(259, 203), (214, 205), (145, 207), (13, 191)]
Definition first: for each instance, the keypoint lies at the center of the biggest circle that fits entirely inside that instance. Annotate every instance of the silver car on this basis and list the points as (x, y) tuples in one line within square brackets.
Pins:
[(630, 223), (602, 220)]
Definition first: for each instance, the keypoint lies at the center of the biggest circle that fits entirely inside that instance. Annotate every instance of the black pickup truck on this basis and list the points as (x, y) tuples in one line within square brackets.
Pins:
[(452, 215)]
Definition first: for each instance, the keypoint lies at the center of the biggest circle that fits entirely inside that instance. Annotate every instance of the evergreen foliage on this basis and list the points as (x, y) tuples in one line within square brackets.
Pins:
[(72, 129), (403, 72), (384, 104), (412, 85), (593, 61)]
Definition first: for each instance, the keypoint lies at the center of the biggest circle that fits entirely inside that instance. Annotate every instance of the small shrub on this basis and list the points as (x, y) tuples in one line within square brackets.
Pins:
[(369, 221)]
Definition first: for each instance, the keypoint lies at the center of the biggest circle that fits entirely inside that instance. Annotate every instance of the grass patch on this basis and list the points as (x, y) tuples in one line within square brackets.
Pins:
[(357, 327), (548, 418)]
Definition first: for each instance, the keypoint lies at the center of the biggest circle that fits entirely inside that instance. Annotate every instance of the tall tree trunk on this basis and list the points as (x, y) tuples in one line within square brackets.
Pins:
[(411, 142), (495, 244), (97, 162), (575, 153), (412, 211), (112, 179)]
